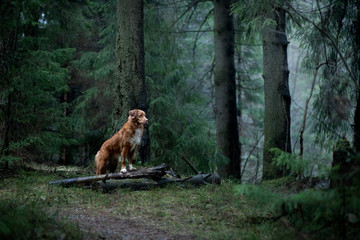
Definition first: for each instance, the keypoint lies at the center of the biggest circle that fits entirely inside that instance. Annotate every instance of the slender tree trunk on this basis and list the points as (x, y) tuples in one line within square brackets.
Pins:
[(303, 125), (63, 148), (238, 57), (277, 95), (130, 90), (357, 123), (357, 67), (227, 135), (4, 149)]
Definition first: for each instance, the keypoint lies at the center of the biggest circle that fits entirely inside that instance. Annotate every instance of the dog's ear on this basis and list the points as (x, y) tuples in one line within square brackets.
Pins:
[(132, 113)]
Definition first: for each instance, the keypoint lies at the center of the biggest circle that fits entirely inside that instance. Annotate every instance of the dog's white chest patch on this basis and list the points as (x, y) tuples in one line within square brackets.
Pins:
[(135, 140)]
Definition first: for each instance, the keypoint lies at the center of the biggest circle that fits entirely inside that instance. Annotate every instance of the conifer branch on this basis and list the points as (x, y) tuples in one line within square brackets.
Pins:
[(324, 33)]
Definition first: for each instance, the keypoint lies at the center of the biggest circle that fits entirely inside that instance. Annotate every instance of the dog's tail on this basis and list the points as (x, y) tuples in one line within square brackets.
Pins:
[(96, 157)]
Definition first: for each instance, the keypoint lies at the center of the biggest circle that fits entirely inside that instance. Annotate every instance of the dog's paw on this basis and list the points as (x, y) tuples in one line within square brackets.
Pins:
[(123, 170), (131, 168)]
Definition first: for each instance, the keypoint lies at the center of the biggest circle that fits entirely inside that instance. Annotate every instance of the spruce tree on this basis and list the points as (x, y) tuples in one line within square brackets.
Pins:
[(33, 79), (130, 64), (276, 89), (227, 134)]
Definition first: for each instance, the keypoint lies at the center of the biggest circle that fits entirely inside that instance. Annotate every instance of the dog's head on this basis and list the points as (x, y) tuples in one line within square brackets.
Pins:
[(138, 116)]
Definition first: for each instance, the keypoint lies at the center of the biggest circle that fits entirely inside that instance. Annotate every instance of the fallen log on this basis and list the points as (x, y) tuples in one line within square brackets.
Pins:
[(154, 173), (144, 178), (202, 178), (134, 184), (197, 180)]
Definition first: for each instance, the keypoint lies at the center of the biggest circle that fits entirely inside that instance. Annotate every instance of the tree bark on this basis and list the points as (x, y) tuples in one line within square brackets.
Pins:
[(277, 95), (357, 123), (357, 68), (130, 92), (227, 135)]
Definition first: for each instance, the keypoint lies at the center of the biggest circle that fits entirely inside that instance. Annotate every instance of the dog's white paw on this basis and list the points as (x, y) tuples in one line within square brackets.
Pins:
[(123, 170), (131, 168)]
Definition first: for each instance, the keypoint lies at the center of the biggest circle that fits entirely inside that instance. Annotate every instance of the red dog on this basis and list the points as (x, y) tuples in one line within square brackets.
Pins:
[(123, 143)]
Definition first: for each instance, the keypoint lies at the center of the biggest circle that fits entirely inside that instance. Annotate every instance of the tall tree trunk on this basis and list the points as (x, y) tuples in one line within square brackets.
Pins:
[(63, 148), (357, 123), (277, 95), (357, 68), (130, 90), (7, 125), (227, 135)]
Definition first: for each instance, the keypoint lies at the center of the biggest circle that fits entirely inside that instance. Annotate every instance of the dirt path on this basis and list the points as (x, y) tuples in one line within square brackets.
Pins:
[(103, 225)]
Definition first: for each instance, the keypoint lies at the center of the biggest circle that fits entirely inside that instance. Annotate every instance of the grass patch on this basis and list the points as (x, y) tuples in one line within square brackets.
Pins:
[(206, 212), (209, 212), (27, 221)]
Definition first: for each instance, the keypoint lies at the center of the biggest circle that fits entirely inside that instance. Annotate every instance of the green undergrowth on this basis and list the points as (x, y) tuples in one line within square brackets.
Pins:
[(29, 221), (206, 212), (310, 211)]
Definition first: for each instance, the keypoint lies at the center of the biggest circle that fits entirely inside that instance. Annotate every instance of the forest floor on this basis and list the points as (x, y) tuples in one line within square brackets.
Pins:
[(103, 224), (170, 212)]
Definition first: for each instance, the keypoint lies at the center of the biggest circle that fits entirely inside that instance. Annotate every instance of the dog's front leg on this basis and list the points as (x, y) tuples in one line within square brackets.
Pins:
[(124, 153), (131, 157)]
